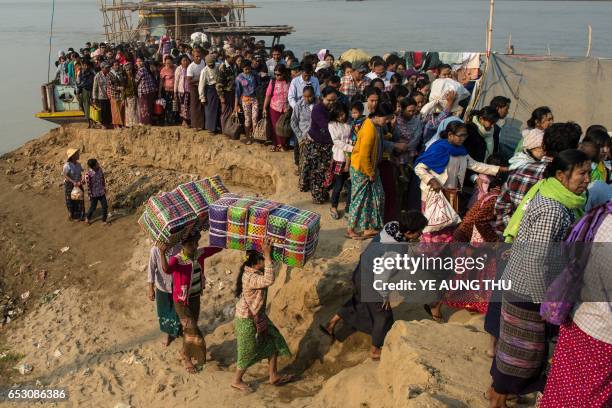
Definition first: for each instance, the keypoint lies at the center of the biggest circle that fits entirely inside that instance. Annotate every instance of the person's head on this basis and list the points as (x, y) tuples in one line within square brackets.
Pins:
[(197, 55), (356, 109), (116, 65), (532, 143), (408, 108), (253, 259), (420, 100), (572, 168), (411, 225), (210, 61), (446, 71), (73, 155), (105, 67), (497, 181), (154, 67), (502, 105), (392, 62), (308, 94), (140, 62), (599, 135), (334, 82), (379, 67), (307, 71), (359, 72), (246, 67), (396, 80), (190, 242), (401, 68), (378, 84), (486, 116), (329, 58), (185, 61), (346, 68), (559, 137), (277, 53), (423, 86), (455, 133), (541, 118), (281, 73), (329, 97), (383, 114), (590, 149), (92, 164), (372, 95), (338, 113)]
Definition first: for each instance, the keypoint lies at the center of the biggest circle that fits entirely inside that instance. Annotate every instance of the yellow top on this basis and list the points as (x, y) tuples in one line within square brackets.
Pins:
[(365, 152)]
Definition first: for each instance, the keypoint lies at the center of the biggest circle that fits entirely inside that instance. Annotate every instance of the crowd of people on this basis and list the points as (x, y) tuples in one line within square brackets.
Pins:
[(372, 135)]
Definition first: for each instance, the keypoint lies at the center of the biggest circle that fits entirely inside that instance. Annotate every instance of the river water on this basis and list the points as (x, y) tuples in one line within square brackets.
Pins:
[(378, 26)]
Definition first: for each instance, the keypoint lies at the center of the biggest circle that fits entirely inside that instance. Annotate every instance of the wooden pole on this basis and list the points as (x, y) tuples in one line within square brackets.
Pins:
[(588, 54), (490, 28)]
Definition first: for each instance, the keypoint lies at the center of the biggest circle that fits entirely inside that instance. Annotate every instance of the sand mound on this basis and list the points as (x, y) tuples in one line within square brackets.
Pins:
[(98, 335)]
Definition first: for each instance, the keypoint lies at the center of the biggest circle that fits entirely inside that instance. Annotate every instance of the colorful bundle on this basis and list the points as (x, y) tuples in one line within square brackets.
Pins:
[(237, 218), (194, 197), (217, 212), (259, 215), (167, 217), (277, 223), (301, 237), (211, 188)]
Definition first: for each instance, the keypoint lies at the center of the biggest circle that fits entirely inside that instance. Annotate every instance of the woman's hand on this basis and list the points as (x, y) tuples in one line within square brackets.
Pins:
[(435, 185), (163, 247), (151, 293), (267, 249)]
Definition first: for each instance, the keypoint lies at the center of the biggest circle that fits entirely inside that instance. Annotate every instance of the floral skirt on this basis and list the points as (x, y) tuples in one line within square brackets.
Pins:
[(184, 106), (250, 351), (317, 160), (367, 202), (580, 375), (131, 111)]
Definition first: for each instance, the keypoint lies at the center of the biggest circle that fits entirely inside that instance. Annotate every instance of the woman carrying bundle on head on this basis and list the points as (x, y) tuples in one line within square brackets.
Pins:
[(188, 282), (256, 336)]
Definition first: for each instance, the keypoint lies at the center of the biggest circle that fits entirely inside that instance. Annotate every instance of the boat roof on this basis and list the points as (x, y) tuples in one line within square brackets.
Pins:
[(173, 5)]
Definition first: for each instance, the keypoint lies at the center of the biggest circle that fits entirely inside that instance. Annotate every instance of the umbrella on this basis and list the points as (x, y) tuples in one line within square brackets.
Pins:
[(355, 56)]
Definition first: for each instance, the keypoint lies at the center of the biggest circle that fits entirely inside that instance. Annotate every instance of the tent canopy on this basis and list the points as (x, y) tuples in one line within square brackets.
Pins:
[(575, 89)]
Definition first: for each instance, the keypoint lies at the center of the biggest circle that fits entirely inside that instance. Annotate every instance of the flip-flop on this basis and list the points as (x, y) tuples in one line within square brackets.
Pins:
[(438, 319), (334, 214), (285, 379), (246, 390), (325, 332)]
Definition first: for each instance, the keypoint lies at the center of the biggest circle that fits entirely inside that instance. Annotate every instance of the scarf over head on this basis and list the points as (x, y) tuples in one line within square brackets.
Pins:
[(438, 155), (441, 128), (549, 188)]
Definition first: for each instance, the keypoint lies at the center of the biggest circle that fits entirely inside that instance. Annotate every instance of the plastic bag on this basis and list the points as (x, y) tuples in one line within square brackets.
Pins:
[(283, 126), (437, 97), (94, 114), (439, 212), (76, 194)]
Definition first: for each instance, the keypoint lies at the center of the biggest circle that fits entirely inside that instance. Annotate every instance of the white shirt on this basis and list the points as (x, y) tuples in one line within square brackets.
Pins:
[(341, 137), (194, 70), (386, 79)]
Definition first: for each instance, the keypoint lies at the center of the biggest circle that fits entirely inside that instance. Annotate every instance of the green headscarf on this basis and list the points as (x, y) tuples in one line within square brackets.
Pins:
[(549, 188)]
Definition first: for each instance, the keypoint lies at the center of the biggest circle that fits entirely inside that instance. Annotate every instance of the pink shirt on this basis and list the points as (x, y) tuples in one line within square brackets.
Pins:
[(280, 95), (167, 75), (181, 271)]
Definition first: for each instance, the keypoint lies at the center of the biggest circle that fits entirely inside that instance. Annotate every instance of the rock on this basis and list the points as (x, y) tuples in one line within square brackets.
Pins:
[(57, 353), (25, 295), (24, 368), (65, 249), (87, 371), (122, 405)]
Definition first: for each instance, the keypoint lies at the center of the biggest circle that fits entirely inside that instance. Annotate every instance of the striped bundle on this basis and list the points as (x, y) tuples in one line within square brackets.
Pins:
[(237, 218), (242, 223), (211, 188), (259, 216), (191, 193), (301, 237), (218, 219), (167, 217)]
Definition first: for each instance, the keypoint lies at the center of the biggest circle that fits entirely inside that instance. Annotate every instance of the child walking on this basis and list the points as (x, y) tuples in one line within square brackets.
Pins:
[(340, 132), (96, 188)]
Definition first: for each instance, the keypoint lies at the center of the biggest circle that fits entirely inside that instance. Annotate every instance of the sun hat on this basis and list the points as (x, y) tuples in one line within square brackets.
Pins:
[(71, 152)]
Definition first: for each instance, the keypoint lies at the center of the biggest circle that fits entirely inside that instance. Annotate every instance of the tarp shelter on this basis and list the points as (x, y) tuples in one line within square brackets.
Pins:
[(575, 89)]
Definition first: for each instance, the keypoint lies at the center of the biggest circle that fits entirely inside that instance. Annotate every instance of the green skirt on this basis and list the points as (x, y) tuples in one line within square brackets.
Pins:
[(249, 350), (168, 319)]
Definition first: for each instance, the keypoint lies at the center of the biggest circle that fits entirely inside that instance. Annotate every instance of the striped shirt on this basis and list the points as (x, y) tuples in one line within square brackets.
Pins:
[(254, 290), (145, 82)]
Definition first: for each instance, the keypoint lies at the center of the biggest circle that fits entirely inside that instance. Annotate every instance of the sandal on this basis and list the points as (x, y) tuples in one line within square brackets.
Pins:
[(334, 213), (436, 318), (285, 379), (354, 237), (246, 388)]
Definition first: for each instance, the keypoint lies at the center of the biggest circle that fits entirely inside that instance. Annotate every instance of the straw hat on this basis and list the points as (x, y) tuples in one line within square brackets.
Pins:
[(71, 152)]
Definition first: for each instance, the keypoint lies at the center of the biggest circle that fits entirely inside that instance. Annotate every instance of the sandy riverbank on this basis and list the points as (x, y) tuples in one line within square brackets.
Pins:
[(99, 337)]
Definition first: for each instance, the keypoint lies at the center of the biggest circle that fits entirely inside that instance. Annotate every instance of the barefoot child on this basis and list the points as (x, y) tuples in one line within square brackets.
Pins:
[(256, 336), (96, 187)]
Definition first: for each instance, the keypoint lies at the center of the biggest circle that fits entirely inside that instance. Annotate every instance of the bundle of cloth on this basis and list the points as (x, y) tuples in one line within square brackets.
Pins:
[(439, 90), (167, 217), (242, 223)]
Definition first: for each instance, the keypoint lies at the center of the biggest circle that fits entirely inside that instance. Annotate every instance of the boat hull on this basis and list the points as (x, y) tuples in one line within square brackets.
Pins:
[(62, 118)]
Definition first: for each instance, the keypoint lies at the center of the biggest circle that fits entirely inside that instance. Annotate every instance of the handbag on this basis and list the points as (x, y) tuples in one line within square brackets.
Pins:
[(261, 131), (232, 127), (439, 212), (94, 114), (160, 106), (283, 126)]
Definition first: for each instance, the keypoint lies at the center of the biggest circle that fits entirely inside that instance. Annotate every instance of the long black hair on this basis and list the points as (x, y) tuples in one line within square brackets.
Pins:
[(453, 127), (252, 259), (537, 115), (566, 160), (488, 113)]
